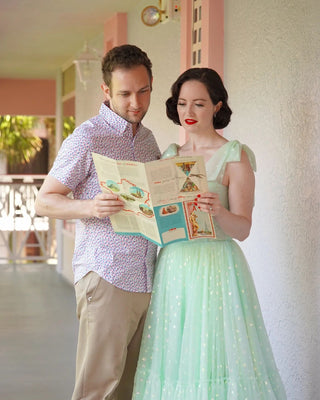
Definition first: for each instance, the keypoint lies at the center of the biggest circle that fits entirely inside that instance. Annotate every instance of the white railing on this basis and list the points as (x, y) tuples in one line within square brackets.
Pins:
[(24, 236)]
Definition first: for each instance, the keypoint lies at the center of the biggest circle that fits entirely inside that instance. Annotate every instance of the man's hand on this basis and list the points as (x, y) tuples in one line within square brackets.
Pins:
[(106, 204), (54, 202)]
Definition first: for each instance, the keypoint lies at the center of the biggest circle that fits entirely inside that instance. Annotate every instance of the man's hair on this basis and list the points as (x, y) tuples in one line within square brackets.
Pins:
[(126, 56)]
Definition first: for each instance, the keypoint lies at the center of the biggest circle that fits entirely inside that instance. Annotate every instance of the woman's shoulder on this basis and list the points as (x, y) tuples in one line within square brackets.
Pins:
[(171, 151), (234, 149)]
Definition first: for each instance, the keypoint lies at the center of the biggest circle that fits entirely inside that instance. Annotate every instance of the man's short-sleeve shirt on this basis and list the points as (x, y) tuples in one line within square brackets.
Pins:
[(125, 261)]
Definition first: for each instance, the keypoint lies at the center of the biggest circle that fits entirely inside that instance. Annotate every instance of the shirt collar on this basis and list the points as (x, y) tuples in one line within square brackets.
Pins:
[(114, 120)]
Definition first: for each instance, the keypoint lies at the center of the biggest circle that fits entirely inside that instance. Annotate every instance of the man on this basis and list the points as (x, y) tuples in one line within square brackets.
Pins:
[(113, 273)]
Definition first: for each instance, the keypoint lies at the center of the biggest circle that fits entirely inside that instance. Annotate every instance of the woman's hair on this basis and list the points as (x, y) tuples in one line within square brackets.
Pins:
[(216, 90), (126, 56)]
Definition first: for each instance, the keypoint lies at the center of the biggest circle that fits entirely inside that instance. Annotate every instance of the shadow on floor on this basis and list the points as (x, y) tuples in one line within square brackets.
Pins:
[(38, 333)]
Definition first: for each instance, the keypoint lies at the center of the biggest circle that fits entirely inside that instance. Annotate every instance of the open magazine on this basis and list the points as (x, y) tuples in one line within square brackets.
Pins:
[(159, 197)]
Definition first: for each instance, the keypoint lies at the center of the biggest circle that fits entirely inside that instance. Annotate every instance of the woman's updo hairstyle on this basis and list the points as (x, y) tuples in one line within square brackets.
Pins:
[(216, 90)]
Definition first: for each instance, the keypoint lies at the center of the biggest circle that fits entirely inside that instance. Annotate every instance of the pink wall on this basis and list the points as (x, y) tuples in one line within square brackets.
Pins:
[(213, 34), (115, 31), (186, 34), (212, 43), (27, 97), (69, 107), (38, 96)]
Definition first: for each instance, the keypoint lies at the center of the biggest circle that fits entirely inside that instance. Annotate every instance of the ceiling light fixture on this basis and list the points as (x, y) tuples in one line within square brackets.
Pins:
[(84, 63)]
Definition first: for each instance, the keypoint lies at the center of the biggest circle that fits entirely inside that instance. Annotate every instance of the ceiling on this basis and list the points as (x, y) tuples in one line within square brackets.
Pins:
[(39, 36)]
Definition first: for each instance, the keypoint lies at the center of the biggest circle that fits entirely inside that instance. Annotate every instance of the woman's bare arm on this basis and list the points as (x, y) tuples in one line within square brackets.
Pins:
[(235, 222)]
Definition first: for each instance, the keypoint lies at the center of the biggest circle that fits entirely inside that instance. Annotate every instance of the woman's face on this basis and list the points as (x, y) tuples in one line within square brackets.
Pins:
[(195, 108)]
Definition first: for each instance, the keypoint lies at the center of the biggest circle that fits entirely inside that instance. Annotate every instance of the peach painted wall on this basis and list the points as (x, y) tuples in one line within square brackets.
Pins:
[(212, 34), (186, 34), (69, 107), (115, 31), (27, 97)]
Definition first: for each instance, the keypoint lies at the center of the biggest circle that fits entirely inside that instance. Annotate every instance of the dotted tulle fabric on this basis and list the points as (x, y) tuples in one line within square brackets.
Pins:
[(204, 336)]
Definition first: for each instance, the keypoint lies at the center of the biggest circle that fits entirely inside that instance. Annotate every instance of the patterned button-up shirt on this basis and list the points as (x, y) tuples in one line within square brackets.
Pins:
[(125, 261)]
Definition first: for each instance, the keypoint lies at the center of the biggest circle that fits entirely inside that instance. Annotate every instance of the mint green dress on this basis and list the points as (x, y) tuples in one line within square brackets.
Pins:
[(204, 336)]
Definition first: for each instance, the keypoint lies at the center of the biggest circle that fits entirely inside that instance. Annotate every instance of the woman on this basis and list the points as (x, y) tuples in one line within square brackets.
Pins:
[(204, 335)]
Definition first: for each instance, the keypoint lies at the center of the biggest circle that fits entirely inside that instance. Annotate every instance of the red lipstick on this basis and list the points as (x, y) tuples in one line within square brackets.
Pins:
[(190, 121)]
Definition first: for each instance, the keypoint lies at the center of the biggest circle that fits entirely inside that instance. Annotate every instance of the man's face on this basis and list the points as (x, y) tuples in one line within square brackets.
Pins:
[(129, 93)]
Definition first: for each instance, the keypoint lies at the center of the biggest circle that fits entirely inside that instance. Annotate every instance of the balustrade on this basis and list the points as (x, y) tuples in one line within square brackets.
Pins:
[(24, 236)]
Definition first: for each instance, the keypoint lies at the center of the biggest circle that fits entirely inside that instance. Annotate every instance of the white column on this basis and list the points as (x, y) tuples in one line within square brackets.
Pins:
[(59, 135)]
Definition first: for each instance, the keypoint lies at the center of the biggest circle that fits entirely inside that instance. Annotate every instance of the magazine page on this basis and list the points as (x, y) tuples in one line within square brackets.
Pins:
[(159, 197), (176, 179), (183, 221), (174, 184), (127, 179)]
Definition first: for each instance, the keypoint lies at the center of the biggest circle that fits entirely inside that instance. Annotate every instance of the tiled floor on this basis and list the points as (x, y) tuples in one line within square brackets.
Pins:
[(38, 333)]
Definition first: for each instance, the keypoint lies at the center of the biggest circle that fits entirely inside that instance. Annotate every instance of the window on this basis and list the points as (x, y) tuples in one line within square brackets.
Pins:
[(196, 33)]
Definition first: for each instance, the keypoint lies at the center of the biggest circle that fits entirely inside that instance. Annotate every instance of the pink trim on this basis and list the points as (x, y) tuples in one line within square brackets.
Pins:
[(115, 31), (28, 97), (185, 34), (213, 34), (212, 48)]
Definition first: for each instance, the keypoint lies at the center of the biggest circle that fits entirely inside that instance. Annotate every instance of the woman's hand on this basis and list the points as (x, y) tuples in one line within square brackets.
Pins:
[(210, 203), (236, 220)]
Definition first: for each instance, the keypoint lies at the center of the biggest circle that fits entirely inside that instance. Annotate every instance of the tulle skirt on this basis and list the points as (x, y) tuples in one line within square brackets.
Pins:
[(204, 336)]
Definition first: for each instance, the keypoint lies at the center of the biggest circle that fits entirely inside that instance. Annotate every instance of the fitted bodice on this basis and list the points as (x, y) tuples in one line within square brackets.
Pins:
[(215, 169)]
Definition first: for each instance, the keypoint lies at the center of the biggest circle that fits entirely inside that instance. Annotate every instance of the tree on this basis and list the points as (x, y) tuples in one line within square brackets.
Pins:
[(16, 139), (50, 124), (68, 126)]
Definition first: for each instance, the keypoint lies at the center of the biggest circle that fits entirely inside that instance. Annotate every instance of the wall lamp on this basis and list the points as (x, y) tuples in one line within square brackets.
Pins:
[(167, 9)]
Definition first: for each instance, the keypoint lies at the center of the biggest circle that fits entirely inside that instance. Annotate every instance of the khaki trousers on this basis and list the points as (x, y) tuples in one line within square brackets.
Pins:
[(110, 329)]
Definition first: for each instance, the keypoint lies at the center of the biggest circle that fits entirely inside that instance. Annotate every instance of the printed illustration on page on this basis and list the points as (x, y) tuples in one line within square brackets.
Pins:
[(159, 197)]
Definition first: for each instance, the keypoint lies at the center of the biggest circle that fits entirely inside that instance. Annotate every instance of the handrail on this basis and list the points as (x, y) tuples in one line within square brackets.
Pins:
[(10, 178), (23, 234)]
